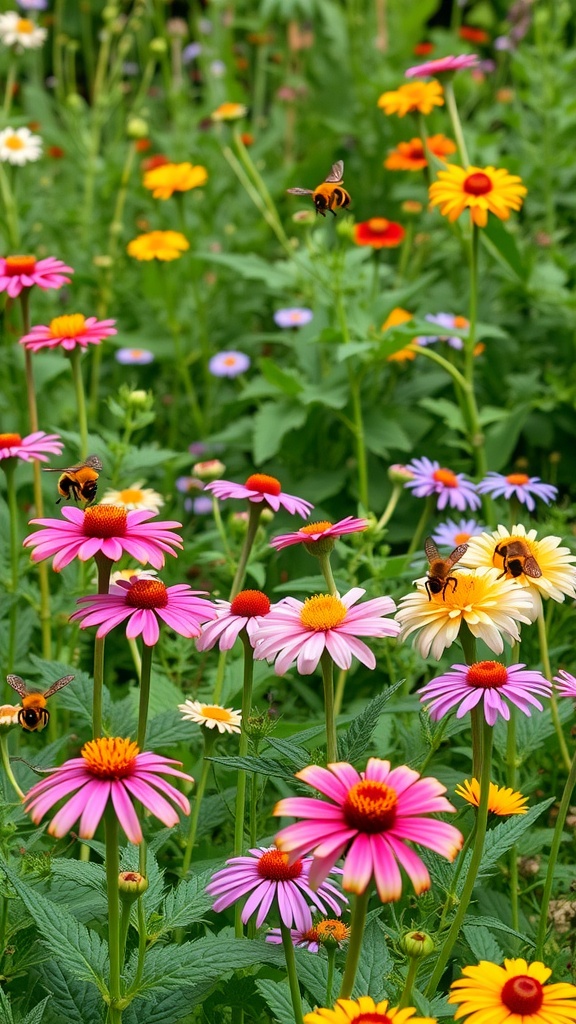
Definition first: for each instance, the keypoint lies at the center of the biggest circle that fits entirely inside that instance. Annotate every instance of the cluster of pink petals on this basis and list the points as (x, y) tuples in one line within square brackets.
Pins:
[(34, 446), (347, 525), (225, 627), (442, 65), (330, 830), (460, 687), (227, 489), (565, 684), (92, 332), (47, 273)]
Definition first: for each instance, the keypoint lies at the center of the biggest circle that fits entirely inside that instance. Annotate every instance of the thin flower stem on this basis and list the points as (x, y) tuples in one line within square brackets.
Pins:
[(390, 507), (330, 974), (511, 781), (145, 673), (10, 211), (547, 668), (135, 655), (476, 720), (75, 357), (554, 849), (253, 522), (10, 83), (405, 251), (291, 971), (326, 568), (104, 566), (9, 467), (328, 678), (114, 947), (243, 746), (468, 643), (220, 526), (451, 894), (209, 738), (406, 997), (429, 353), (421, 526), (357, 922), (455, 119), (253, 809), (357, 419), (339, 694), (8, 769)]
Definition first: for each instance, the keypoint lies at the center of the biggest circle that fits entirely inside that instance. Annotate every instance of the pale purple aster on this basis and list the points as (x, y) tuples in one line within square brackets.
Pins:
[(294, 316), (488, 683), (200, 506), (518, 485), (19, 272), (442, 65), (309, 535), (260, 487), (134, 356), (229, 364), (32, 5), (266, 876), (246, 611), (184, 484), (191, 52), (565, 684), (34, 446), (450, 534), (453, 489), (449, 321)]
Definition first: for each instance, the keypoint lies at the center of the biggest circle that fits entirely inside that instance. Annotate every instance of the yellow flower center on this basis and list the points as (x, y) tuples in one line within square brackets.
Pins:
[(487, 674), (470, 590), (16, 265), (249, 603), (322, 612), (263, 483), (446, 477), (477, 184), (332, 929), (522, 995), (68, 326), (14, 142), (10, 440), (131, 495), (378, 224), (147, 594), (517, 478), (110, 758), (315, 527), (274, 866), (105, 521), (461, 538), (24, 26), (216, 713), (370, 807)]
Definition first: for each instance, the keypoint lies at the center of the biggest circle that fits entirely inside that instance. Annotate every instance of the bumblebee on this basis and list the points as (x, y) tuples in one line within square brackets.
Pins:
[(34, 715), (439, 568), (329, 194), (78, 482), (516, 559)]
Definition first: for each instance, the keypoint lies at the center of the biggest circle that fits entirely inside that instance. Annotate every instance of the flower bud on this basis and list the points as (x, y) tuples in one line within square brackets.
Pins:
[(331, 933), (212, 469), (399, 474), (417, 944), (304, 217), (131, 885), (137, 128), (158, 46), (411, 207), (259, 725)]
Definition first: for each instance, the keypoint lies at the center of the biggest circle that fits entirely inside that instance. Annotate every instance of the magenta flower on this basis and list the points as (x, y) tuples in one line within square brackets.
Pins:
[(33, 446), (261, 487), (229, 364), (302, 938), (442, 65), (565, 684), (19, 272), (453, 489), (450, 534), (108, 770), (301, 631), (267, 875), (517, 485), (313, 532), (293, 316), (370, 817), (488, 682), (145, 603), (110, 529), (68, 332), (246, 611)]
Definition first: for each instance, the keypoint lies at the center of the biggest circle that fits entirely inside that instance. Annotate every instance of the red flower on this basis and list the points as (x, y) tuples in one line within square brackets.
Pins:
[(379, 233), (473, 35)]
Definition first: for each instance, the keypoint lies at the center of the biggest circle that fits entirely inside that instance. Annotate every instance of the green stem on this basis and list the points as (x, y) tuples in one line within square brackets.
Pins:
[(357, 419), (420, 528), (328, 678), (326, 568), (209, 738), (556, 840), (3, 927), (8, 769), (468, 643), (219, 681), (114, 948), (10, 211), (406, 997), (104, 566), (330, 974), (10, 83), (75, 357), (389, 510), (9, 467), (357, 922), (545, 657), (455, 119), (476, 720), (255, 512), (405, 251), (243, 747), (253, 809), (511, 781), (291, 971), (145, 673)]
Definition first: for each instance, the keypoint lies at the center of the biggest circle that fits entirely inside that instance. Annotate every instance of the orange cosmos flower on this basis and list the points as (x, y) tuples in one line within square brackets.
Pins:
[(158, 245), (482, 190), (411, 156), (229, 112), (379, 233), (164, 181), (420, 96)]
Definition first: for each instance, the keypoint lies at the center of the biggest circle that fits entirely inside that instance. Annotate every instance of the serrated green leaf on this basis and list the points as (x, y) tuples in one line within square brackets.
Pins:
[(77, 696), (499, 925), (36, 1014), (355, 742), (271, 423), (482, 943), (187, 903), (297, 756), (262, 765), (70, 999), (286, 381), (80, 887), (505, 835), (5, 1007), (374, 965), (276, 994), (312, 971)]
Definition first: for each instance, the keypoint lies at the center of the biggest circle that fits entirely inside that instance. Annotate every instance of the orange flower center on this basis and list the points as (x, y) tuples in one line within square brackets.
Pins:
[(147, 594), (110, 758), (68, 326), (460, 322), (274, 865), (332, 929), (14, 142), (249, 603), (378, 224), (522, 995), (315, 527), (462, 538), (322, 612), (446, 477), (131, 495), (517, 478), (477, 184), (215, 713), (24, 26), (230, 360), (263, 483), (487, 674), (15, 265), (105, 521), (370, 807), (10, 440)]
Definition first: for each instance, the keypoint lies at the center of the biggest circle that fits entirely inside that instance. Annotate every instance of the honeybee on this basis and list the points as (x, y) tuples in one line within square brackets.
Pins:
[(33, 715), (329, 194), (439, 569), (516, 558), (78, 482)]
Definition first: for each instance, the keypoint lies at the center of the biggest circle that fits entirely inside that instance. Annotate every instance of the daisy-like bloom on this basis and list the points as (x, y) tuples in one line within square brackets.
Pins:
[(134, 497), (443, 66), (331, 931), (109, 770), (413, 96), (34, 446), (449, 321), (229, 112), (453, 489), (261, 487), (565, 684), (68, 332), (320, 536), (491, 607), (300, 631), (364, 1010), (473, 35), (20, 32), (266, 876), (296, 316), (501, 800), (9, 715), (410, 156), (451, 534), (246, 611), (515, 993), (134, 356), (110, 529), (19, 146), (379, 233), (164, 181), (481, 190), (228, 364), (158, 245), (19, 272), (370, 818), (488, 683), (518, 485), (211, 716)]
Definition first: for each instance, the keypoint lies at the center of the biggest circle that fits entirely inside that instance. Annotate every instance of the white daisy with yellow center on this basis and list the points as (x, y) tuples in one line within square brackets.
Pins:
[(19, 146), (134, 498), (212, 716), (20, 32)]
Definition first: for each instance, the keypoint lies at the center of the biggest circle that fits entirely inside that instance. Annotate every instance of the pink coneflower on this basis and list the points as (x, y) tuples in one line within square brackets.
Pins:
[(19, 272), (261, 487), (145, 603), (331, 932), (110, 529), (313, 533), (565, 684), (108, 770), (33, 446), (487, 682), (267, 875), (246, 611), (370, 818), (301, 631), (453, 489), (68, 332), (431, 68), (517, 485)]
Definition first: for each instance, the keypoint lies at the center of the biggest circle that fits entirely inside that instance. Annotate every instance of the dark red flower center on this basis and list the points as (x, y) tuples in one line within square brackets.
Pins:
[(274, 866), (477, 184), (445, 477), (416, 151), (16, 265), (523, 995), (263, 483), (517, 479), (370, 806), (147, 594), (372, 1017), (10, 440), (249, 603), (487, 674), (105, 521)]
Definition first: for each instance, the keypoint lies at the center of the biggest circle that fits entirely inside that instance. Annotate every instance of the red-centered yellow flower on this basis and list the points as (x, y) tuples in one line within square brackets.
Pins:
[(164, 181), (365, 1011), (411, 156), (413, 96), (482, 190), (501, 800), (158, 245), (513, 994), (229, 112)]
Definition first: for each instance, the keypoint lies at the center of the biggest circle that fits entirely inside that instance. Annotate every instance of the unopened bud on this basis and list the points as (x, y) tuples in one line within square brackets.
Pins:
[(212, 469), (9, 715), (417, 944), (399, 474), (158, 46), (137, 128), (131, 885)]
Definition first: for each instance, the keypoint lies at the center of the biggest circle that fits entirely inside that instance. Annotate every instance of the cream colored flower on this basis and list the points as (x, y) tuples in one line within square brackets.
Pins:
[(9, 715), (213, 716), (21, 32), (19, 146), (491, 608), (127, 574), (135, 497)]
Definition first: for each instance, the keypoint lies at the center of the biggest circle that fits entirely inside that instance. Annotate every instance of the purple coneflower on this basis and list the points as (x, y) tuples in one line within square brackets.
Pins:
[(20, 272), (486, 682), (261, 487), (34, 446), (518, 485), (246, 611)]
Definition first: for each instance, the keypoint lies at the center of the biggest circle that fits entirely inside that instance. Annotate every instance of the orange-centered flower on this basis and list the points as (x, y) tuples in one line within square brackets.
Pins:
[(481, 190), (413, 96), (446, 477), (105, 521), (147, 594), (370, 806), (411, 156), (275, 865), (19, 265), (322, 612), (263, 483), (249, 603), (67, 326), (10, 440), (110, 758)]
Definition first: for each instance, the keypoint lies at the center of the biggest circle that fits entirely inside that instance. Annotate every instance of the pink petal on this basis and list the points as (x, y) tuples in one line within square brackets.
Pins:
[(125, 812), (99, 792), (358, 865)]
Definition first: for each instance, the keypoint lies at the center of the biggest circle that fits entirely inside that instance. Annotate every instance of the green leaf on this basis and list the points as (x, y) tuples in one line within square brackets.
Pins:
[(168, 1008), (502, 838), (502, 245), (6, 1008), (501, 438), (262, 765), (271, 423), (286, 381), (312, 972), (277, 997), (496, 924), (70, 1000), (447, 411), (297, 756), (80, 887), (276, 276), (383, 432), (186, 903), (482, 943), (77, 696), (375, 963), (36, 1014), (356, 740)]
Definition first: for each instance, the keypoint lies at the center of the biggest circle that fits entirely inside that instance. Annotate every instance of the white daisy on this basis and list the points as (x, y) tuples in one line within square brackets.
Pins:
[(134, 497), (212, 716), (19, 146), (20, 32)]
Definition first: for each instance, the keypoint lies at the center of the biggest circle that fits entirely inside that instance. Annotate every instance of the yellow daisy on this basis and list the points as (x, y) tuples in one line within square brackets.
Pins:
[(356, 1011), (479, 189), (501, 800), (169, 178), (158, 245), (512, 994), (211, 716), (491, 607), (134, 497), (420, 96)]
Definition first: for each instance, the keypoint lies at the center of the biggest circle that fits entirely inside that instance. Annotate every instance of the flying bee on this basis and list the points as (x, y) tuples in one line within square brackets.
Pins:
[(34, 715), (329, 194), (78, 482), (516, 559), (439, 568)]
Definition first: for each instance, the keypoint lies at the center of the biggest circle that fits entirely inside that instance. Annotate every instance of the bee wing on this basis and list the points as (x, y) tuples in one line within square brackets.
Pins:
[(337, 172), (300, 191), (431, 550), (58, 685), (17, 684), (456, 555), (63, 469), (531, 567)]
